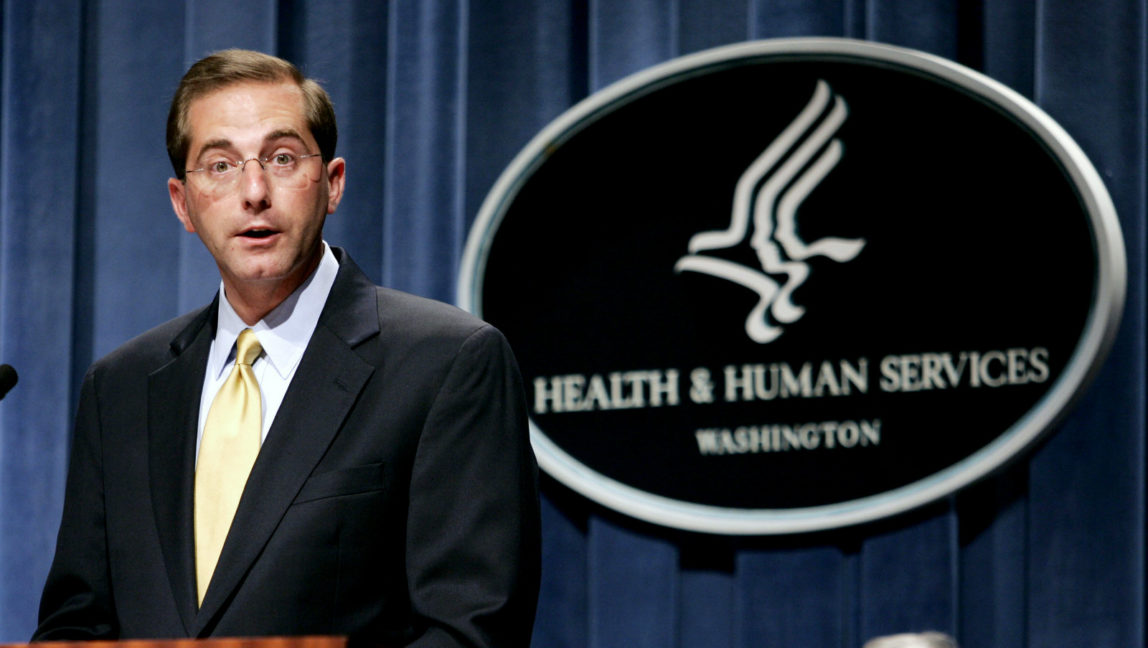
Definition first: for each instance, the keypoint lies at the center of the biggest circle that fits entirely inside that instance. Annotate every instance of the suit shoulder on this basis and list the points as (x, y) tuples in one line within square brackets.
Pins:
[(151, 348), (411, 316)]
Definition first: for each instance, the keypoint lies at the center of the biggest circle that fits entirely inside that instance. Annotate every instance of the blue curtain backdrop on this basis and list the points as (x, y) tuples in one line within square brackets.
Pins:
[(434, 99)]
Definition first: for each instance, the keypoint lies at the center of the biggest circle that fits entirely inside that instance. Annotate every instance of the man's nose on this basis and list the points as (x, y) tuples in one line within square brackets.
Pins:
[(253, 184)]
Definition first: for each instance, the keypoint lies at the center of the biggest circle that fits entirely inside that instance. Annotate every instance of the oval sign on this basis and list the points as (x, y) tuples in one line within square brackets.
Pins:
[(791, 285)]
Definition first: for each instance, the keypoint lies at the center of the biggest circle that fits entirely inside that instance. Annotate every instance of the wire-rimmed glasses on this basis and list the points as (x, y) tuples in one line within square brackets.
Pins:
[(284, 169)]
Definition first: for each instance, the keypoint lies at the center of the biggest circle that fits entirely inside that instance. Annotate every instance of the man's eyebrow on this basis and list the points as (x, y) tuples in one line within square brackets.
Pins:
[(284, 133), (213, 144), (223, 143)]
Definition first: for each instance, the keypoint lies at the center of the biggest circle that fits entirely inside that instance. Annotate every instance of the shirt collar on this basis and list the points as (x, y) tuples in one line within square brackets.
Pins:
[(285, 331)]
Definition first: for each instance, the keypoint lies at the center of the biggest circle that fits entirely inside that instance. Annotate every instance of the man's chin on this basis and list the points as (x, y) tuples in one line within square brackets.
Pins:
[(265, 275), (258, 275)]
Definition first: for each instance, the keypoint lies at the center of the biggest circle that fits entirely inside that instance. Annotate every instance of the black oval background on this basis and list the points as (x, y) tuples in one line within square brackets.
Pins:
[(976, 240)]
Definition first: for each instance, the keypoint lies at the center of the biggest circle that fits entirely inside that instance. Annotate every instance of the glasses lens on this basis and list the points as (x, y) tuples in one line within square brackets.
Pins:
[(284, 171), (292, 171)]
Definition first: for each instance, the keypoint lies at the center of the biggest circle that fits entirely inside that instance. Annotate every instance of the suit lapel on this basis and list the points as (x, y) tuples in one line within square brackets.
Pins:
[(325, 387), (173, 415)]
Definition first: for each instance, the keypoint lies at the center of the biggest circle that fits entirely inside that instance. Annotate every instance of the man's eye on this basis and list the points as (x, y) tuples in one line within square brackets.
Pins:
[(283, 159), (220, 167)]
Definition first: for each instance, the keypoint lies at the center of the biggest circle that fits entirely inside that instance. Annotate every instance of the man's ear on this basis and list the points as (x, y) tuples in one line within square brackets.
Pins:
[(336, 178), (177, 189)]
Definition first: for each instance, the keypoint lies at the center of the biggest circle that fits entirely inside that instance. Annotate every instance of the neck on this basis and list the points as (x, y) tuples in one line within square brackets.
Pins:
[(253, 300), (253, 305)]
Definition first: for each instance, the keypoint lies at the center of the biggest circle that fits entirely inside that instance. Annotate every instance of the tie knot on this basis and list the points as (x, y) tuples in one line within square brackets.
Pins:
[(248, 347)]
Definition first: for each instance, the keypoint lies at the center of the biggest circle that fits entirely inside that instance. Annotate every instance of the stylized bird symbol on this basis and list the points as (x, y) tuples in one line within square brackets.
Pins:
[(779, 248)]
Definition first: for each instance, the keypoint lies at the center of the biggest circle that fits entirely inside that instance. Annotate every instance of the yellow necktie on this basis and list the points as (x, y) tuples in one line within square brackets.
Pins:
[(230, 443)]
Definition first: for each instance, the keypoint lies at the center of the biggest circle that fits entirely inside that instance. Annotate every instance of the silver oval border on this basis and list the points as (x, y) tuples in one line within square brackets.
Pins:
[(1099, 332)]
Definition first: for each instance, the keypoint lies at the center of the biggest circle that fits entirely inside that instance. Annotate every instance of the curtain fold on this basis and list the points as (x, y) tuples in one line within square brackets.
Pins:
[(39, 173)]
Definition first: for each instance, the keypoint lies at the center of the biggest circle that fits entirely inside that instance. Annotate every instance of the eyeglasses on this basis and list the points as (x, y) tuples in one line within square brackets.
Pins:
[(222, 175)]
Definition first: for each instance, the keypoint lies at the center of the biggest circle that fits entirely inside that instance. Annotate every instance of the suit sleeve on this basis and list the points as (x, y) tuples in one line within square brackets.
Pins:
[(76, 603), (473, 537)]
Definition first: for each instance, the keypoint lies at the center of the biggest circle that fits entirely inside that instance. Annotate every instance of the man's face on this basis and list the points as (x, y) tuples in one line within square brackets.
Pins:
[(264, 233)]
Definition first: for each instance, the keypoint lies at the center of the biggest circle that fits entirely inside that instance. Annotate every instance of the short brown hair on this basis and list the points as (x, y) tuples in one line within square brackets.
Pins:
[(235, 66)]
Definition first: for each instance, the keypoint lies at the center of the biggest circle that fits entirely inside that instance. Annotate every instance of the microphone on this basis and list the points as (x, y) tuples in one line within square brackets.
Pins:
[(8, 379)]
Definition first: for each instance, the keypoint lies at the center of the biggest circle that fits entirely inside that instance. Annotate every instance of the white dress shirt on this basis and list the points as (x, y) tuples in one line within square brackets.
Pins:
[(283, 334)]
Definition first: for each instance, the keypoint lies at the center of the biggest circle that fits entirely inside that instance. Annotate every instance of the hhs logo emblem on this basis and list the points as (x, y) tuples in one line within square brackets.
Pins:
[(771, 190), (836, 191)]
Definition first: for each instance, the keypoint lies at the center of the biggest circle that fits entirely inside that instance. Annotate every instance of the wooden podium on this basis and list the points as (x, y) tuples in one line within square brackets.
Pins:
[(254, 642)]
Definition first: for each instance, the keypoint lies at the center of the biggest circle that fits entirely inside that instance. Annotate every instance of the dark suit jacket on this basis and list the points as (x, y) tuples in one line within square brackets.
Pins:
[(394, 499)]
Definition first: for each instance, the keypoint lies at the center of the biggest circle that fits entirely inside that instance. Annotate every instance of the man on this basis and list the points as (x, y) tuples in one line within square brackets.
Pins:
[(393, 498)]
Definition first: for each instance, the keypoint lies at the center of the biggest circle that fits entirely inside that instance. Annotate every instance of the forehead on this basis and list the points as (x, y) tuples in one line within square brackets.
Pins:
[(245, 112)]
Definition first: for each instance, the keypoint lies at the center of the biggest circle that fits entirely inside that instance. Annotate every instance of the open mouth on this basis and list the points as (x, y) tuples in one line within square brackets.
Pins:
[(258, 233)]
